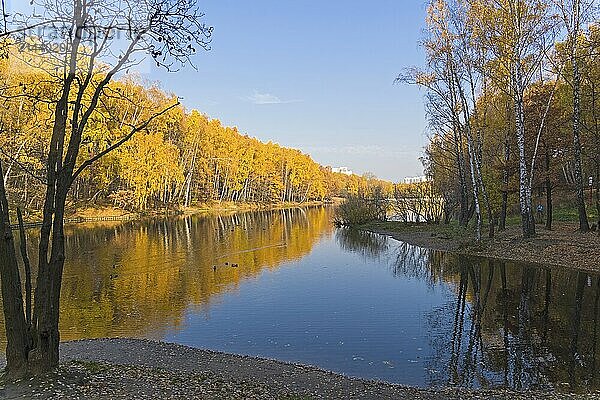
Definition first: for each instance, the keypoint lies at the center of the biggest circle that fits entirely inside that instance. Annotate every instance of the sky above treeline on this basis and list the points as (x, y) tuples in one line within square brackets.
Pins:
[(314, 75), (318, 76)]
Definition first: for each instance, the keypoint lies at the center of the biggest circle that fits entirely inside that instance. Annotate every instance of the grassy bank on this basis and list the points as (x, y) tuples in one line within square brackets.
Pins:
[(562, 246)]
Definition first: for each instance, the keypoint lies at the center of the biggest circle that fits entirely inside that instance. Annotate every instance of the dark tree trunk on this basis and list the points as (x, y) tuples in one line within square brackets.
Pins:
[(549, 210), (597, 155), (35, 350), (583, 220), (598, 194), (14, 318), (503, 211), (47, 300), (27, 267), (505, 180), (44, 357)]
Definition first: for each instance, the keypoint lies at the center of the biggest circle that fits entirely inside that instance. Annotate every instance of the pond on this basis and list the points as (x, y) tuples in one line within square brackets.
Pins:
[(286, 284)]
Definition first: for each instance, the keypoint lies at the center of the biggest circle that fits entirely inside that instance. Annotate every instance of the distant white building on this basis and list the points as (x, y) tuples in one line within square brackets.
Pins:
[(415, 179), (342, 170)]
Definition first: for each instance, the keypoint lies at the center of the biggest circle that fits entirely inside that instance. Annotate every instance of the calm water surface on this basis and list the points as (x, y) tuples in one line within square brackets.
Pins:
[(288, 285)]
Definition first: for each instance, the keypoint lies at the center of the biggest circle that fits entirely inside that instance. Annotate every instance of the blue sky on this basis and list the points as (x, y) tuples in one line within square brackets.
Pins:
[(317, 76)]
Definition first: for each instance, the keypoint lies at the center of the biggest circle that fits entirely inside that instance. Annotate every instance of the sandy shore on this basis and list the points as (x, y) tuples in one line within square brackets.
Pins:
[(143, 369)]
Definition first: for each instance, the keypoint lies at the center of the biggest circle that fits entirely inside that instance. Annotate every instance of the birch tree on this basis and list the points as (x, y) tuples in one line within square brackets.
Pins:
[(591, 97), (574, 14), (455, 84), (443, 102), (516, 33)]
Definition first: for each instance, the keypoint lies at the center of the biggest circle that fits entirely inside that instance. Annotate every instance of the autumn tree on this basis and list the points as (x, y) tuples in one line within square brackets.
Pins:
[(516, 33), (96, 41), (442, 101), (574, 15), (590, 81), (454, 84), (553, 144)]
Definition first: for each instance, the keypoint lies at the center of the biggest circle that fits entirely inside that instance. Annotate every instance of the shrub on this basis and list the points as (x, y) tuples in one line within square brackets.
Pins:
[(361, 208)]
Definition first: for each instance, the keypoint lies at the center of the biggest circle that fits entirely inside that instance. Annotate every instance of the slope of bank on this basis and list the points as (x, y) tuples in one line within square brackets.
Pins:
[(563, 246), (216, 206), (142, 369), (107, 213)]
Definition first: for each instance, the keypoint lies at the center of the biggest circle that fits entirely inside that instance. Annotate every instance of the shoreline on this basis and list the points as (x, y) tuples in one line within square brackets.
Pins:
[(122, 368), (562, 247), (90, 213), (105, 213)]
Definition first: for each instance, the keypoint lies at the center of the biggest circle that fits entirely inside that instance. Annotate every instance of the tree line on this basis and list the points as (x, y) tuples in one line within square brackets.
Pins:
[(512, 92), (180, 158)]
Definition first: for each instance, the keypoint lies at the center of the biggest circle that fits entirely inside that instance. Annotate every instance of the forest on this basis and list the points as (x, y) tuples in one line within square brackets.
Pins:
[(181, 159), (512, 92)]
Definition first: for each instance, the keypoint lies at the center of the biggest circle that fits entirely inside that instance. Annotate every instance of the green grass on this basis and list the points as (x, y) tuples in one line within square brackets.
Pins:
[(560, 214), (563, 213), (570, 214), (462, 237)]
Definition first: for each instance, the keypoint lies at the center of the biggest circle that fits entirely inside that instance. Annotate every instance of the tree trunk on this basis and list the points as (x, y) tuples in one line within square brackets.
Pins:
[(17, 347), (583, 220), (44, 357), (463, 218), (597, 152), (486, 199), (548, 193), (474, 180), (527, 220), (598, 193), (505, 181)]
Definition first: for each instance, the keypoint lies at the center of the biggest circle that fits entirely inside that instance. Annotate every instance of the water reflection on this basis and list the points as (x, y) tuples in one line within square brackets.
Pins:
[(523, 326), (366, 244), (512, 325), (138, 278), (286, 285)]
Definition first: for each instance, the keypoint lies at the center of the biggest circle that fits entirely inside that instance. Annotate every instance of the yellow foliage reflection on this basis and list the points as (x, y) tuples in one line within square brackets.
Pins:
[(138, 278)]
